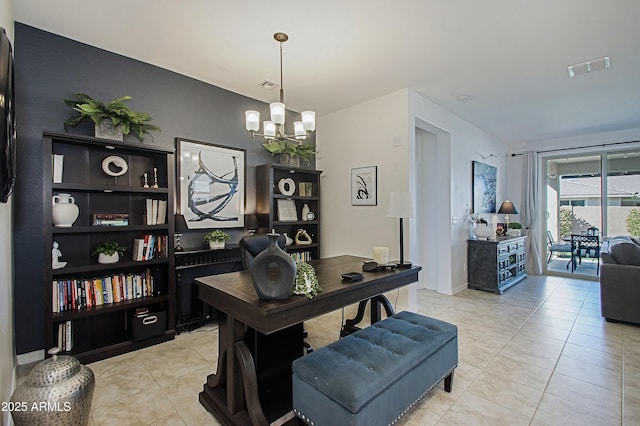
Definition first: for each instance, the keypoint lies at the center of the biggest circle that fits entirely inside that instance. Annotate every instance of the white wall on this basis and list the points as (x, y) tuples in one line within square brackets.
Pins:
[(7, 352), (363, 135)]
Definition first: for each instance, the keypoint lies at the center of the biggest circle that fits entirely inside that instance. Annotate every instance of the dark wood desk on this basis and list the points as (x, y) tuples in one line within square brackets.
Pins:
[(231, 394)]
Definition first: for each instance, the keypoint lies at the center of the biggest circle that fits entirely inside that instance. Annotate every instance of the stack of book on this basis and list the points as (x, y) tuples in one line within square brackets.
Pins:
[(155, 211), (65, 336), (149, 247), (301, 256), (110, 219), (74, 294)]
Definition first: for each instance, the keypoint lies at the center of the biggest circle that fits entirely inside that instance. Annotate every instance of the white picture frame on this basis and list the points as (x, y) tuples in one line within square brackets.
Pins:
[(364, 186), (211, 184), (287, 210)]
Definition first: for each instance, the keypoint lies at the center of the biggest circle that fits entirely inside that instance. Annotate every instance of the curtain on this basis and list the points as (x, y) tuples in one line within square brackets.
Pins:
[(530, 215)]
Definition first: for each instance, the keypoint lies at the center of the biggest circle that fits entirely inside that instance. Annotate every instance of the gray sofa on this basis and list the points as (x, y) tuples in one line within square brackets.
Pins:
[(620, 280)]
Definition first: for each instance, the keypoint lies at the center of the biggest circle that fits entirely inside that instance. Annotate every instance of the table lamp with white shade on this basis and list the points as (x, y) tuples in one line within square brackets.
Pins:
[(401, 206)]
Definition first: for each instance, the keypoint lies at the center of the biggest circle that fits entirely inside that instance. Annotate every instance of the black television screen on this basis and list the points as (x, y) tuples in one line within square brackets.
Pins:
[(7, 119)]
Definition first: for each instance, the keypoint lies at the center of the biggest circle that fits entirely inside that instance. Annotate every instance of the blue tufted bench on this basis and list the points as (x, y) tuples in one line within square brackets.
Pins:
[(375, 375)]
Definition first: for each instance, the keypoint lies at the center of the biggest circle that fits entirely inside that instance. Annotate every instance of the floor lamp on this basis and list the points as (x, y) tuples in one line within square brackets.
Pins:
[(401, 206)]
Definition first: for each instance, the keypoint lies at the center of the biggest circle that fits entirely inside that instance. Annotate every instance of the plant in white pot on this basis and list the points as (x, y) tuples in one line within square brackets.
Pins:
[(109, 251), (515, 229), (216, 239)]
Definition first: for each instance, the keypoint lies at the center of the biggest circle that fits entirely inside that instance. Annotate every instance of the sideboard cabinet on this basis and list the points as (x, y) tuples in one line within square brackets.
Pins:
[(96, 310), (496, 265)]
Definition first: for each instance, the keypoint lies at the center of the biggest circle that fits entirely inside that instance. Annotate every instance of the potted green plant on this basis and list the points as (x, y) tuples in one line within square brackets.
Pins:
[(115, 114), (515, 229), (290, 152), (216, 239), (109, 251)]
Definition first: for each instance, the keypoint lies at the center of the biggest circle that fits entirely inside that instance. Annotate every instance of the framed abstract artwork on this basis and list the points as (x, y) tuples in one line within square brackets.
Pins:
[(484, 188), (211, 184), (364, 186)]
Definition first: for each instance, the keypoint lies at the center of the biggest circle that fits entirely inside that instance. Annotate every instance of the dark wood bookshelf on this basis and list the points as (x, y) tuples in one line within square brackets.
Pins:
[(105, 330), (268, 194)]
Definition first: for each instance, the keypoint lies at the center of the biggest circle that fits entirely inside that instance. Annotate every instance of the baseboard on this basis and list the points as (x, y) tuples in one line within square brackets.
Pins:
[(30, 357), (459, 288)]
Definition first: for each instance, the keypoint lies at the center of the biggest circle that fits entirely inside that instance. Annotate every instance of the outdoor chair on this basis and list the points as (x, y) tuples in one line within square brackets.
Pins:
[(556, 246)]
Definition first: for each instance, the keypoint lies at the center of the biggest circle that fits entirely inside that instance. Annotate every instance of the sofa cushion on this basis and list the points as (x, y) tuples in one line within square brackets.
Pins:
[(625, 252)]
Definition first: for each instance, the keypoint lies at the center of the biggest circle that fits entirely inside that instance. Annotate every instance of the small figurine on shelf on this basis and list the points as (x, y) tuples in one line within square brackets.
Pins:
[(302, 237), (145, 180), (155, 177), (56, 254)]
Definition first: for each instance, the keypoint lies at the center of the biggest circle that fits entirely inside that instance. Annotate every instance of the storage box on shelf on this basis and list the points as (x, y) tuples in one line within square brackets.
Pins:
[(89, 305), (288, 201)]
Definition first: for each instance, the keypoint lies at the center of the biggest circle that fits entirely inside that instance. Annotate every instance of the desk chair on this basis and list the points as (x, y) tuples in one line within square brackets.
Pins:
[(556, 246), (253, 245)]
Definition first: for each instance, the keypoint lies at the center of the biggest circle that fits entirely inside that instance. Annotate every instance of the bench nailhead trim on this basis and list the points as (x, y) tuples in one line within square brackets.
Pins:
[(310, 422)]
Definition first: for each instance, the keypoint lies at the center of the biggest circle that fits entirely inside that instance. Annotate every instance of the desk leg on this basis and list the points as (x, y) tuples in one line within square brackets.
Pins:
[(225, 391), (350, 325)]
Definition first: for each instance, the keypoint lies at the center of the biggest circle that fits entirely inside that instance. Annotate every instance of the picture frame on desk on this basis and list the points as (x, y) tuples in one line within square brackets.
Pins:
[(211, 184)]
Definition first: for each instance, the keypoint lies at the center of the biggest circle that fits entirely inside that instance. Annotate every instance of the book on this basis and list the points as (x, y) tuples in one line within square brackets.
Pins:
[(148, 211), (57, 163), (138, 249), (162, 212), (68, 343), (154, 212)]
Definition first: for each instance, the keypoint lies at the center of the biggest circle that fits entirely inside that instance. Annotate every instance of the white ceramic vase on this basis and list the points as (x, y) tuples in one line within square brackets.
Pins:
[(108, 258), (482, 231), (64, 210)]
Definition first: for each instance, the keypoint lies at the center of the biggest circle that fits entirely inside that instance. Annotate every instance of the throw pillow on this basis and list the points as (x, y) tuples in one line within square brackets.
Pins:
[(625, 252)]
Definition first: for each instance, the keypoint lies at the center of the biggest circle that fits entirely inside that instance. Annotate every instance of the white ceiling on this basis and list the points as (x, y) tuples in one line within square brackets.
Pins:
[(509, 56)]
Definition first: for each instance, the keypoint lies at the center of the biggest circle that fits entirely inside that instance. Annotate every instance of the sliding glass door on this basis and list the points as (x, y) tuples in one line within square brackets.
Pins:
[(589, 194)]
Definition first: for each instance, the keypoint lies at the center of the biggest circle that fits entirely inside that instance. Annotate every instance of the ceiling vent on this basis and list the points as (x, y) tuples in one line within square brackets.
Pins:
[(598, 64), (268, 84)]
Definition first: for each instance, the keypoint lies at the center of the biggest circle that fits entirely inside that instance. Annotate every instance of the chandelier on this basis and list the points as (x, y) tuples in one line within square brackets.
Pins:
[(274, 129)]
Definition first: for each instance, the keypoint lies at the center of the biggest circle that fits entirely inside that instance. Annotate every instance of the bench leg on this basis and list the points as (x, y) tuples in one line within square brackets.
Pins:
[(448, 382)]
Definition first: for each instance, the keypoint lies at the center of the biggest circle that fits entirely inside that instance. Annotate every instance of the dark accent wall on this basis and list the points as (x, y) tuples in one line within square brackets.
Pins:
[(49, 68)]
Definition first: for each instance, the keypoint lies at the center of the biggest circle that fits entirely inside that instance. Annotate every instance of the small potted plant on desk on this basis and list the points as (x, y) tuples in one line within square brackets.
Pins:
[(216, 239), (109, 251), (515, 229)]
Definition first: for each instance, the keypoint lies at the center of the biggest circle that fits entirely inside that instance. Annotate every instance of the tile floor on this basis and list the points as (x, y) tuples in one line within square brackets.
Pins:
[(540, 354)]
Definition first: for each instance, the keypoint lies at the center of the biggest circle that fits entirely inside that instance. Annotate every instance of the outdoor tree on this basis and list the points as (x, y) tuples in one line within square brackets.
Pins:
[(566, 221), (633, 222)]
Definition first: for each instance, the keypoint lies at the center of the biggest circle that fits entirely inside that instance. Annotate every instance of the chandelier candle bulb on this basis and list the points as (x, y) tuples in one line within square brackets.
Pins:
[(309, 120), (277, 112), (253, 120), (381, 255), (298, 127), (269, 129)]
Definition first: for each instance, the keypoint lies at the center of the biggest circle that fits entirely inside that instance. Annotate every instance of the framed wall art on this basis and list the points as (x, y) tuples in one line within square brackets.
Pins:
[(211, 184), (484, 188), (364, 186)]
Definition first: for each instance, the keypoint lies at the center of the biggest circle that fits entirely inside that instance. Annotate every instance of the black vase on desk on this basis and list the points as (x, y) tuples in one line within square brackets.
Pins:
[(273, 272)]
